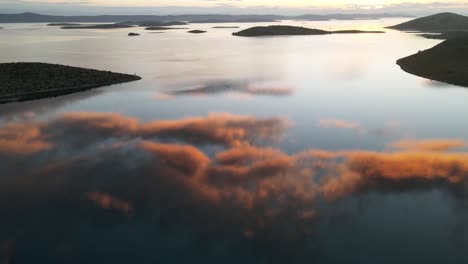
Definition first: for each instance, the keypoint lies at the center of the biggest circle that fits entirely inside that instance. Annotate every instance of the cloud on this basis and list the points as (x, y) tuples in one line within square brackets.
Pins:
[(108, 202), (216, 129), (128, 175), (428, 145)]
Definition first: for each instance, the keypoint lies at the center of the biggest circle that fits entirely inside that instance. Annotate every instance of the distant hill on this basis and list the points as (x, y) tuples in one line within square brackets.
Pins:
[(38, 18), (442, 22), (446, 62), (290, 30)]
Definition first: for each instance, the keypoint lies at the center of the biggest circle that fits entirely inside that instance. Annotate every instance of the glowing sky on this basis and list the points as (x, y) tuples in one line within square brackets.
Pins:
[(238, 6)]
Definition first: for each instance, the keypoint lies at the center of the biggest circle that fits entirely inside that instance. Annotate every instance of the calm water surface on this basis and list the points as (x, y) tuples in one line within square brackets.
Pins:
[(304, 149)]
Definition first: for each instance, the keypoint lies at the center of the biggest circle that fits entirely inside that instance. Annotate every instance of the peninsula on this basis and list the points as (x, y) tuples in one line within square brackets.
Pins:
[(28, 81), (446, 62), (291, 30)]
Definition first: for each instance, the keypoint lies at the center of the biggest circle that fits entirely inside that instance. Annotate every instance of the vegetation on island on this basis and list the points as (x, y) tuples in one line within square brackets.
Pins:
[(196, 31), (438, 23), (27, 81), (291, 30), (132, 34), (446, 62)]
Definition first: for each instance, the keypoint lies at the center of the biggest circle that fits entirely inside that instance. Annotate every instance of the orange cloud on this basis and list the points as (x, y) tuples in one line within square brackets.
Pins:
[(428, 145), (22, 139), (109, 202)]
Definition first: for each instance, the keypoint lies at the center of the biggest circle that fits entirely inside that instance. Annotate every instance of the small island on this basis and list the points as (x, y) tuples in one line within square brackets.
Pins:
[(98, 26), (291, 30), (160, 24), (196, 31), (131, 34), (63, 24), (162, 28), (28, 81), (446, 62), (438, 23), (445, 35)]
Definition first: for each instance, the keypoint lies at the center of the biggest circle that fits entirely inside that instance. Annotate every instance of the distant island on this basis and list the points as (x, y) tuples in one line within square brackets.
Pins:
[(196, 31), (63, 24), (291, 30), (162, 28), (202, 18), (235, 20), (98, 26), (28, 81), (438, 23), (132, 34), (446, 62), (445, 35)]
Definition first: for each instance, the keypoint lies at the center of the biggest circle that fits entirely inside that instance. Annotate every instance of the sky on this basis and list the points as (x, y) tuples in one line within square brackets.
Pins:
[(284, 7)]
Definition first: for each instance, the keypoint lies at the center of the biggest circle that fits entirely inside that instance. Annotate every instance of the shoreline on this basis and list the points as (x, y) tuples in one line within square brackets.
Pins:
[(21, 97)]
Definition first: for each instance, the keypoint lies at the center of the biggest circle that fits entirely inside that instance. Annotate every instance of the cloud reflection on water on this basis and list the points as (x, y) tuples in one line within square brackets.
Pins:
[(104, 171)]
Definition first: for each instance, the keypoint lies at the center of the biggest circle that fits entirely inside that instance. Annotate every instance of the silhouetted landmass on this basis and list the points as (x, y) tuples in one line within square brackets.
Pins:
[(445, 35), (160, 24), (226, 27), (196, 31), (446, 62), (101, 26), (290, 30), (28, 81), (244, 20), (63, 24), (131, 34), (37, 18), (162, 28), (438, 23)]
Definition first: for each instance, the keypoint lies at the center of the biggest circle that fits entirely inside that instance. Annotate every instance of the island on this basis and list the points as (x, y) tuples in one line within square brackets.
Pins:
[(30, 80), (162, 28), (446, 62), (160, 24), (438, 23), (291, 30), (98, 26), (63, 24), (445, 35), (196, 31), (131, 34)]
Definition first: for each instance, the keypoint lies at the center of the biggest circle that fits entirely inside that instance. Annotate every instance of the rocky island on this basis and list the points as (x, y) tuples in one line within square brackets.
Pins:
[(196, 31), (438, 23), (291, 30), (446, 62), (28, 81)]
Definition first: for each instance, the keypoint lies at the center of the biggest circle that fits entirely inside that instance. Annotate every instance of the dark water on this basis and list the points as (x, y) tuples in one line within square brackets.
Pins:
[(309, 149)]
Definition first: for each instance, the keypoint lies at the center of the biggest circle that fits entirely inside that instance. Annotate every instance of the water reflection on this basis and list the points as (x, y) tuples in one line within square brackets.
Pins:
[(171, 190), (239, 86)]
